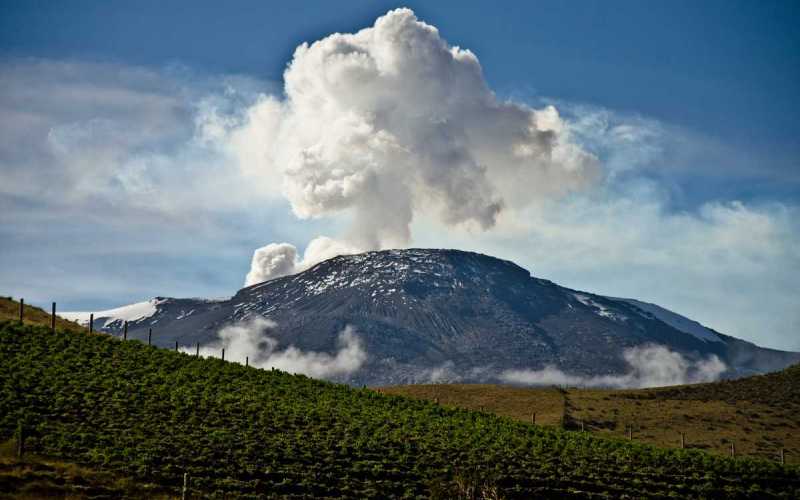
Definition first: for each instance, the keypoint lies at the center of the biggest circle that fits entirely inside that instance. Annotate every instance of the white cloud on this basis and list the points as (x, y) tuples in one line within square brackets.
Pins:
[(649, 366), (82, 134), (108, 178), (250, 339)]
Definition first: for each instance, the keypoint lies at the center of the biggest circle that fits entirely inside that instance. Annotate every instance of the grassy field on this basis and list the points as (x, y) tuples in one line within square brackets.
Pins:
[(759, 416), (753, 429), (35, 477), (103, 418), (512, 402), (124, 413)]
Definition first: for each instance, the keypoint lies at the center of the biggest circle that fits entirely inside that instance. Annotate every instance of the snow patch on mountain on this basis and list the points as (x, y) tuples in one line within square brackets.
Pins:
[(674, 320), (598, 308), (132, 312)]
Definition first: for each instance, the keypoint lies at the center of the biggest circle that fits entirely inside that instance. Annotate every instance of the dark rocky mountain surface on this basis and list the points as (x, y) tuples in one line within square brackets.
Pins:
[(425, 314)]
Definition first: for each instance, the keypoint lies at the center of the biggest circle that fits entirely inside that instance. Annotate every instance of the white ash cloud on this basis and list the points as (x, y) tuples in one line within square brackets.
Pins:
[(272, 261), (281, 259), (250, 339), (649, 366), (391, 123)]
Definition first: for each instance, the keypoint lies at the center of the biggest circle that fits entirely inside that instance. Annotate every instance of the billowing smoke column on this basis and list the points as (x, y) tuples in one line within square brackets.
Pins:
[(391, 122)]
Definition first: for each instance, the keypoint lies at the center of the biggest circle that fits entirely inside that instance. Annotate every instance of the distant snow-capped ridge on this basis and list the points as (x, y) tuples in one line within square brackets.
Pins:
[(131, 312)]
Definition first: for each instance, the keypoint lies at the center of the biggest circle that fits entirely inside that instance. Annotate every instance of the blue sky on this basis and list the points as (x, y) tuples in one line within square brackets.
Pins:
[(707, 65), (710, 88)]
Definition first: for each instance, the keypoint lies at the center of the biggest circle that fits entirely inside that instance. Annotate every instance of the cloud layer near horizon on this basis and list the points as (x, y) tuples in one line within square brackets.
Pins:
[(161, 181)]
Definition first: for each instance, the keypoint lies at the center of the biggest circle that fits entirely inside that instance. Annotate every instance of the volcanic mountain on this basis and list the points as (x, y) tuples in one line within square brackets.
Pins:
[(425, 314)]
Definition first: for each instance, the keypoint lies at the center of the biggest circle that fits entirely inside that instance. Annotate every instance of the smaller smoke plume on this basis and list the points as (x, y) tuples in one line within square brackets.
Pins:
[(650, 366), (281, 259), (271, 261), (250, 339)]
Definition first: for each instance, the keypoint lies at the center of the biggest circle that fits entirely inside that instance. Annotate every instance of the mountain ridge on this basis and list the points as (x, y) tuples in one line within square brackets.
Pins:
[(464, 316)]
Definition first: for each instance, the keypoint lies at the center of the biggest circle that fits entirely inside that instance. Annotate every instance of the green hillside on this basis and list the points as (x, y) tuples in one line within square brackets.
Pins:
[(151, 415)]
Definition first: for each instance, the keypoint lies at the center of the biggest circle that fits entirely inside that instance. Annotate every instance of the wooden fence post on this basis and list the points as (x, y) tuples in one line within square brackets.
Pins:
[(223, 354), (733, 450), (91, 322), (197, 352), (149, 336), (247, 361), (176, 346), (185, 485), (783, 457), (683, 440), (583, 428), (53, 318), (630, 432), (20, 439), (125, 331), (21, 309)]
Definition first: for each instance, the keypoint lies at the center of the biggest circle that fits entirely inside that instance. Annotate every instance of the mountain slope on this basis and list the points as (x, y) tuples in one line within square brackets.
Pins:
[(153, 415), (447, 314)]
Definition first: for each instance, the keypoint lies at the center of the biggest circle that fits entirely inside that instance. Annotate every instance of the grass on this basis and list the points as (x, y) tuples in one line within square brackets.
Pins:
[(512, 402), (33, 477), (135, 414), (780, 388), (111, 419), (32, 315), (755, 429), (760, 415)]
